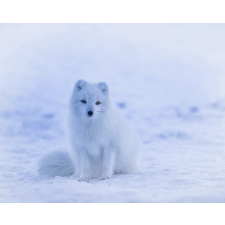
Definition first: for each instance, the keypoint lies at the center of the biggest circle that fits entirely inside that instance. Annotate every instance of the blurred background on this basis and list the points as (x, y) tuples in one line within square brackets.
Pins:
[(176, 63)]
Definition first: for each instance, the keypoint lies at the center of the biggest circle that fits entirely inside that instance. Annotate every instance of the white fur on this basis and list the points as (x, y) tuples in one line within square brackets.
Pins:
[(102, 144)]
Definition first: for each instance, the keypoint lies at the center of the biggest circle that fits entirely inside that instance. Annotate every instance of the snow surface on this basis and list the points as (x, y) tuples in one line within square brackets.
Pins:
[(167, 80)]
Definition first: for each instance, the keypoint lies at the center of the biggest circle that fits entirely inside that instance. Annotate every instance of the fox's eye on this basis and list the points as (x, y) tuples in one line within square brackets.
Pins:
[(97, 103), (83, 101)]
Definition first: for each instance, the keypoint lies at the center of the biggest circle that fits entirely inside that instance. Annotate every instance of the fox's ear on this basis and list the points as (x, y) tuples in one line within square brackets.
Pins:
[(103, 86), (80, 84)]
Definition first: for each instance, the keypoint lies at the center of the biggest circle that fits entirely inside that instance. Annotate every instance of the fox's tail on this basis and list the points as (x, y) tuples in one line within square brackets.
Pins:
[(57, 163)]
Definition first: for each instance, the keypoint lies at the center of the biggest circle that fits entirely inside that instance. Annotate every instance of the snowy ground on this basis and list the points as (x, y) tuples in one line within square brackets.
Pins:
[(168, 80)]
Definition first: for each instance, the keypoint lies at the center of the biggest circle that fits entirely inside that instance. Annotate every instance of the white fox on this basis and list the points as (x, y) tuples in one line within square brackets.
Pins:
[(101, 141)]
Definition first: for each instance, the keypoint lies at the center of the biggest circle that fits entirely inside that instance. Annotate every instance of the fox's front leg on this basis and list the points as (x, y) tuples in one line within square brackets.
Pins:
[(109, 155), (84, 166)]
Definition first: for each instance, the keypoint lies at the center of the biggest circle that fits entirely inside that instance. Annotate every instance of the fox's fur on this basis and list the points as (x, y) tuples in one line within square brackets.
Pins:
[(101, 144)]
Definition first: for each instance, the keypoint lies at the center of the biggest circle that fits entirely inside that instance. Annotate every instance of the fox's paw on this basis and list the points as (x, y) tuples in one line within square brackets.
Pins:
[(83, 179), (104, 177), (118, 172)]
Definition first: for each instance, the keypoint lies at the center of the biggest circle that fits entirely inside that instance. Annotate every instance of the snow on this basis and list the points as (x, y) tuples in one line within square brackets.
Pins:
[(167, 80)]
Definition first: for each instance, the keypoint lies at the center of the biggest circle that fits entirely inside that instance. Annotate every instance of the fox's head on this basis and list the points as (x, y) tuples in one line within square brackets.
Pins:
[(89, 100)]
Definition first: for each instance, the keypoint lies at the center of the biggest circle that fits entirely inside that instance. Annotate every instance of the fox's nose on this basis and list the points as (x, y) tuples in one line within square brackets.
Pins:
[(90, 113)]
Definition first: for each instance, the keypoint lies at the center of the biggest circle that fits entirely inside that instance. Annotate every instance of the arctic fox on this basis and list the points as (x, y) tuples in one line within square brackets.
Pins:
[(102, 143)]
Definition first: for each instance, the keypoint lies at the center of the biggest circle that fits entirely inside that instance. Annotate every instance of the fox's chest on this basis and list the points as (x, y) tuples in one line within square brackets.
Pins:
[(95, 145), (93, 140)]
